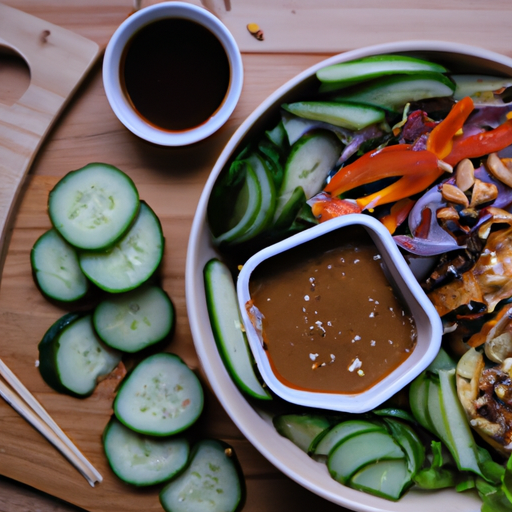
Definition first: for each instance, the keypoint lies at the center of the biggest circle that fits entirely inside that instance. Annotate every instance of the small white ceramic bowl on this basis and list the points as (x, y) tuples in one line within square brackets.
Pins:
[(253, 420), (428, 324), (118, 99)]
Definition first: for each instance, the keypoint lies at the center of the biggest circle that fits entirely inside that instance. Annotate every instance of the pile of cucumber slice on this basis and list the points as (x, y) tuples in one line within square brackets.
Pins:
[(105, 238), (261, 197), (263, 193)]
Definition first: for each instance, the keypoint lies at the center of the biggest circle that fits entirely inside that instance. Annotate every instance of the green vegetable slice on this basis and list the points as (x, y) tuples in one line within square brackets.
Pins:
[(56, 268), (162, 396), (387, 479), (268, 199), (213, 481), (72, 357), (232, 208), (227, 330), (132, 260), (134, 320), (143, 460), (301, 429), (311, 159), (93, 207), (341, 432), (358, 70), (359, 450), (394, 92), (338, 113)]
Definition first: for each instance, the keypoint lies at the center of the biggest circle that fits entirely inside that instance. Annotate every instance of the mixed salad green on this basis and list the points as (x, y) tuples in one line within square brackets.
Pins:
[(427, 152)]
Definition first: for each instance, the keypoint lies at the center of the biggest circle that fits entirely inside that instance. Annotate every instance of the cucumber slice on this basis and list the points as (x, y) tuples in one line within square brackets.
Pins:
[(301, 429), (268, 199), (418, 400), (460, 440), (310, 161), (72, 357), (392, 93), (411, 444), (247, 201), (134, 320), (348, 115), (161, 396), (358, 451), (341, 432), (143, 460), (132, 260), (346, 73), (92, 207), (56, 269), (475, 85), (227, 330), (277, 136), (387, 479), (290, 210), (213, 481)]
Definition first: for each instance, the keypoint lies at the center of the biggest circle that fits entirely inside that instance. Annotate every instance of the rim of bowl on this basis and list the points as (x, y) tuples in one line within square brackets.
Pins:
[(261, 434), (114, 90)]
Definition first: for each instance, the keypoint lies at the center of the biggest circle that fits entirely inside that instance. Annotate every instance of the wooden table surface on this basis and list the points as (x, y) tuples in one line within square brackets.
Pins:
[(298, 34)]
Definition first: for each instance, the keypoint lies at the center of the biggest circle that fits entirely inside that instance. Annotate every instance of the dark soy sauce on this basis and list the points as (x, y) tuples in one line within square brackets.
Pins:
[(176, 73)]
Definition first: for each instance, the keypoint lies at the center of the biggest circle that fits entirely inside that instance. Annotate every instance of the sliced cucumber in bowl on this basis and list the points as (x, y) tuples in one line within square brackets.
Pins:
[(394, 92), (366, 68), (227, 329), (92, 207)]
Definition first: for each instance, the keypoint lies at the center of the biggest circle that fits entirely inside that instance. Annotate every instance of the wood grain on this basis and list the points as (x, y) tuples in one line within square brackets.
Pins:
[(36, 477), (58, 60)]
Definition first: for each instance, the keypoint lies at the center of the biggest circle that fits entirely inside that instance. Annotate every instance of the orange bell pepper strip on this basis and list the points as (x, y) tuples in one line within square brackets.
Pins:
[(397, 214), (480, 144), (398, 160), (440, 139), (406, 186), (326, 207)]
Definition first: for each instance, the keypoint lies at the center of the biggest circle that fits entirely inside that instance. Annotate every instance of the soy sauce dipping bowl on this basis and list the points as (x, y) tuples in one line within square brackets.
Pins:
[(116, 91), (399, 275), (254, 419)]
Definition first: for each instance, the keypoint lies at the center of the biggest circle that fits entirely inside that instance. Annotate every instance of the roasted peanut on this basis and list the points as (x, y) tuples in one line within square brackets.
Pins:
[(453, 194), (483, 193), (447, 213), (465, 175), (499, 170)]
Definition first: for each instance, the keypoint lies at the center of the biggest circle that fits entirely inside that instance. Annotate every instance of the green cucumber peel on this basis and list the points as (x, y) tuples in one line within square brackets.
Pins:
[(394, 92), (346, 73)]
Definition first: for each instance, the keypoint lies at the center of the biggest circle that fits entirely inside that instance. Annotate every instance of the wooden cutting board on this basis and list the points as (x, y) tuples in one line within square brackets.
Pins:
[(58, 60), (170, 180), (298, 34)]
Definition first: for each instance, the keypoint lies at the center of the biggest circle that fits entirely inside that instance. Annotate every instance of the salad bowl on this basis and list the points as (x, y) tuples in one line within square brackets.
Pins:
[(253, 418)]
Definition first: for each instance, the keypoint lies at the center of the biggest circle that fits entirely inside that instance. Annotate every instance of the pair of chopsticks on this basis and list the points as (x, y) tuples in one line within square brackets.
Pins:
[(23, 402)]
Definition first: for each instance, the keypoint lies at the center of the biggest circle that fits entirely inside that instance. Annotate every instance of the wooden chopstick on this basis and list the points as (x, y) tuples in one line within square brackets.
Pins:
[(23, 402)]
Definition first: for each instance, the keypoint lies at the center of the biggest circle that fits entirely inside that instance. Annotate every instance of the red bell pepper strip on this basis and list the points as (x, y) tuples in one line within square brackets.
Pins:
[(480, 144), (440, 139), (397, 214), (327, 207), (398, 160), (406, 186)]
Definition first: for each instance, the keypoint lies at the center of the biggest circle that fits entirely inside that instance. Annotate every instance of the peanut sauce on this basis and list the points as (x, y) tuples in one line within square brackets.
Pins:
[(331, 320)]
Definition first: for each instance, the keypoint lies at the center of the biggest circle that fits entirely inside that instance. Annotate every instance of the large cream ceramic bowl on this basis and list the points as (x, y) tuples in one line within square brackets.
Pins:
[(254, 422)]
